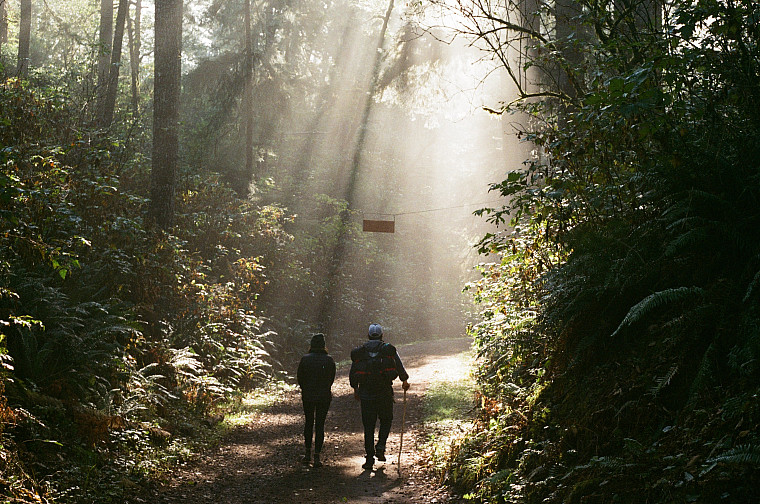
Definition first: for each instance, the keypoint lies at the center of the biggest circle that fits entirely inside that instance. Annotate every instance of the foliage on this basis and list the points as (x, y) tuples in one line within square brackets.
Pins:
[(117, 340), (619, 329)]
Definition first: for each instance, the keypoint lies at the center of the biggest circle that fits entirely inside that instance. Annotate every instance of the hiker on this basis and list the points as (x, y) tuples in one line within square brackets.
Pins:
[(374, 366), (316, 373)]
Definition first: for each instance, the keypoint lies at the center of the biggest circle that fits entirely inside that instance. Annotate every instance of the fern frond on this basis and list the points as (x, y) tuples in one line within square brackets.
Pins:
[(655, 301), (596, 462), (686, 241), (584, 344), (743, 454), (147, 371), (751, 288), (664, 381), (734, 407), (704, 373), (708, 200), (684, 222), (185, 361)]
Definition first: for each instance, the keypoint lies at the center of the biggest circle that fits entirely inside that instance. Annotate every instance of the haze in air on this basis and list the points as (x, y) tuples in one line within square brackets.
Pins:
[(399, 133)]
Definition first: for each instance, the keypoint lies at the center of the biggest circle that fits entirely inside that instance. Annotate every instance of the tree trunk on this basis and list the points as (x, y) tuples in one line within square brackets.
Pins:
[(3, 24), (104, 54), (328, 305), (642, 17), (105, 116), (166, 104), (134, 55), (248, 106), (24, 37), (570, 33)]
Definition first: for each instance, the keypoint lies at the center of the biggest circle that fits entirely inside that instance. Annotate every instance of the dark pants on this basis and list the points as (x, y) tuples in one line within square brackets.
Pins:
[(316, 413), (372, 410)]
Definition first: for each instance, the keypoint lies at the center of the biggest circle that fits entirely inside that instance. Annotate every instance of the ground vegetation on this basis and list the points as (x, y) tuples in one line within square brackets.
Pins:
[(618, 342)]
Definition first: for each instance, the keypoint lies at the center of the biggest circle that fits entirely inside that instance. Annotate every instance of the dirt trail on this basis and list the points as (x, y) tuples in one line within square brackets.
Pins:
[(259, 463)]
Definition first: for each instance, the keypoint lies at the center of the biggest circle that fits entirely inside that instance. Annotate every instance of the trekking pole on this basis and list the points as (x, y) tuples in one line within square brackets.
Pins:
[(401, 441)]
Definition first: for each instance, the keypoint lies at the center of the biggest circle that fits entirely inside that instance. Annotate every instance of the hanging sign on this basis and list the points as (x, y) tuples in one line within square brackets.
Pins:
[(378, 226)]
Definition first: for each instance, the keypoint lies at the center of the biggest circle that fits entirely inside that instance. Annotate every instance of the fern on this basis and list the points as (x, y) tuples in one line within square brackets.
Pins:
[(744, 454), (751, 288), (687, 241), (608, 463), (704, 373), (584, 344), (664, 381), (734, 407), (655, 301)]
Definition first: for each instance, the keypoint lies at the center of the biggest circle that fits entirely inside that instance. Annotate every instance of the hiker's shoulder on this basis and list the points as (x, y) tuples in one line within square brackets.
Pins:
[(388, 347), (358, 352)]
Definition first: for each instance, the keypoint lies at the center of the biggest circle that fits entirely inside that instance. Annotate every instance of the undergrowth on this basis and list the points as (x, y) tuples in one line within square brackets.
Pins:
[(618, 344), (118, 342)]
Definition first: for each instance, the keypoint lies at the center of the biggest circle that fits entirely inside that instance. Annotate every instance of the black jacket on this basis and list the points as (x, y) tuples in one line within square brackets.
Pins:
[(375, 391), (316, 374)]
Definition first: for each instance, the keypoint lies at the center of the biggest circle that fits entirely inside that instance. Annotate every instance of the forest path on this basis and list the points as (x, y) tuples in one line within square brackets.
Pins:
[(259, 462)]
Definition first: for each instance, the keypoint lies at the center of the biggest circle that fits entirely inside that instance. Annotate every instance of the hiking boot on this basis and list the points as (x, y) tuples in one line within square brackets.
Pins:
[(306, 459), (368, 464), (317, 463), (380, 454)]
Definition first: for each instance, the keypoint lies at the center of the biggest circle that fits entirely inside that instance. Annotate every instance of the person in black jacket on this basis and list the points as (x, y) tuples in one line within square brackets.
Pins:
[(374, 366), (316, 374)]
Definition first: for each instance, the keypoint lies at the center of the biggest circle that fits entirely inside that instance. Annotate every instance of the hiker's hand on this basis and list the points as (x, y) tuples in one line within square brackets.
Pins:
[(405, 386), (356, 395)]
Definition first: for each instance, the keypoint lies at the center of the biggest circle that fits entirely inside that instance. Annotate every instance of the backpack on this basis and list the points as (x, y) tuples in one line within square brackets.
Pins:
[(374, 368)]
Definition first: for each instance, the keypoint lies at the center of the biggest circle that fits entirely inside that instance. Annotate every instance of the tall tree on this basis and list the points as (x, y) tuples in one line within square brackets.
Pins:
[(328, 302), (166, 104), (24, 37), (248, 100), (3, 24), (107, 106), (568, 32), (134, 54), (105, 37)]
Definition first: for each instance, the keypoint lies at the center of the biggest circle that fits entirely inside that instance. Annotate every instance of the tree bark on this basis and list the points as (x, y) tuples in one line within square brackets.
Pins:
[(134, 55), (166, 105), (105, 38), (105, 115), (569, 34), (24, 37), (3, 24), (248, 108), (642, 17)]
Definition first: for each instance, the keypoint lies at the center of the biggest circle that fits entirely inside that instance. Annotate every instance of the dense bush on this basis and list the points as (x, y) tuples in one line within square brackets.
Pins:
[(115, 336), (620, 328)]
